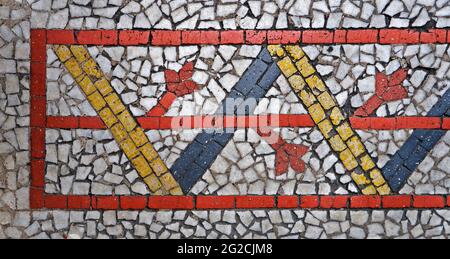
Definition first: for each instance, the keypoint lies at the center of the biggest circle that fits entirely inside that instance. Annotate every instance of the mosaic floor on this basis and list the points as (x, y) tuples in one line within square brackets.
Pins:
[(227, 119)]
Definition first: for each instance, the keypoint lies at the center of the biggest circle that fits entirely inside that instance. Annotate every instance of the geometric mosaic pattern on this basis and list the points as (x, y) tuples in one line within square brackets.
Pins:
[(124, 128), (324, 110), (289, 60), (416, 148), (292, 62), (224, 119), (199, 156)]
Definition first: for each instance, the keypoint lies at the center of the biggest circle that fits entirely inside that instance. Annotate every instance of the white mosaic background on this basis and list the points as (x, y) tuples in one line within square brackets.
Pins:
[(346, 65)]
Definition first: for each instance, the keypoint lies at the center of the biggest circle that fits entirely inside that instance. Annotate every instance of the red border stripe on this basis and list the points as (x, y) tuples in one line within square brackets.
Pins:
[(283, 37), (87, 122), (288, 202), (419, 123), (171, 202), (38, 111), (382, 123), (37, 198), (38, 66), (434, 36), (166, 38), (56, 201), (235, 37), (362, 36), (326, 202), (232, 37), (89, 37), (132, 37), (200, 37), (446, 124), (37, 176), (216, 202), (63, 123), (334, 202), (399, 36), (282, 121), (318, 37), (367, 202), (105, 202), (37, 142), (79, 202), (309, 202), (133, 202), (255, 202), (38, 43), (426, 202), (38, 79), (256, 37), (61, 37), (395, 202), (39, 39)]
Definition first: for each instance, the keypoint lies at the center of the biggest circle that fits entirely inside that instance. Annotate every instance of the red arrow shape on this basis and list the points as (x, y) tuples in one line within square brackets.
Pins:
[(387, 89), (286, 154), (178, 84)]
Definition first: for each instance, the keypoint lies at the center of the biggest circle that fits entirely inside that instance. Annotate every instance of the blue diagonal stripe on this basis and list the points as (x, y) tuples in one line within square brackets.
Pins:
[(195, 160), (398, 170)]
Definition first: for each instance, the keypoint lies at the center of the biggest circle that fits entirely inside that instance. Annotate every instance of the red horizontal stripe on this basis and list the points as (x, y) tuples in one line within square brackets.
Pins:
[(255, 202), (254, 37), (79, 202), (273, 121), (56, 202), (429, 201), (133, 202), (395, 202), (334, 202), (216, 202), (309, 202), (171, 202), (63, 122), (364, 202), (446, 124), (105, 202), (288, 202), (419, 122), (73, 202)]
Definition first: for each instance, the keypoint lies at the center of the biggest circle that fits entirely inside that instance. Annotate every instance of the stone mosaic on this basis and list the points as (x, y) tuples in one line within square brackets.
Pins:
[(224, 119)]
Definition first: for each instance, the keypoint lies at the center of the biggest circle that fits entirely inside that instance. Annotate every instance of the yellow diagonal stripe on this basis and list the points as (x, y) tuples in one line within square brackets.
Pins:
[(124, 128), (326, 114)]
